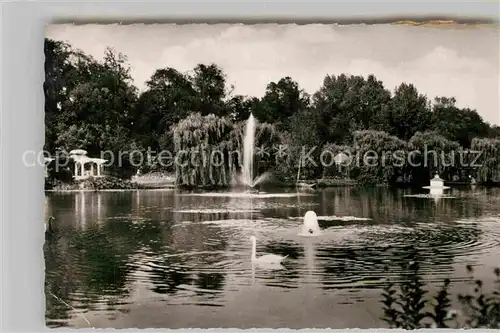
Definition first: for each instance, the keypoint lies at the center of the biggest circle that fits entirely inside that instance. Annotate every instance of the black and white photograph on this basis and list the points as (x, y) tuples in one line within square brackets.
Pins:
[(271, 175)]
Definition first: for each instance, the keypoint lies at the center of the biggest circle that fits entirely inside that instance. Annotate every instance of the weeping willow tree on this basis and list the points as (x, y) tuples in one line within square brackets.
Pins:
[(489, 159), (286, 159), (204, 147), (379, 157), (267, 140), (209, 149), (432, 152)]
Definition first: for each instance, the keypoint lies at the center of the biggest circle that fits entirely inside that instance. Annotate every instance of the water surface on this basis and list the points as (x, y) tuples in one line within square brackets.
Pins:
[(169, 259)]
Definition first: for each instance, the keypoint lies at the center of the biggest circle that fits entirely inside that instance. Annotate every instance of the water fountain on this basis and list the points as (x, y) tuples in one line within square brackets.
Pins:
[(436, 186), (436, 190), (246, 178), (310, 227), (248, 153)]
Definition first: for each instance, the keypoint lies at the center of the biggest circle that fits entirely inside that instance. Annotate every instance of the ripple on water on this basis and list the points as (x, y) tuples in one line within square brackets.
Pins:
[(129, 218), (238, 226), (430, 196), (362, 256), (335, 218), (263, 195), (361, 250), (198, 265), (213, 211)]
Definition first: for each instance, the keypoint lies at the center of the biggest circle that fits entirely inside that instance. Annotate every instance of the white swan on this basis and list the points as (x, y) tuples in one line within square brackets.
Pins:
[(265, 259)]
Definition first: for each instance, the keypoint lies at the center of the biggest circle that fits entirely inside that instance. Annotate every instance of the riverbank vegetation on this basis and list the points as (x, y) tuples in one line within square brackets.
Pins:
[(407, 304), (93, 104), (96, 184)]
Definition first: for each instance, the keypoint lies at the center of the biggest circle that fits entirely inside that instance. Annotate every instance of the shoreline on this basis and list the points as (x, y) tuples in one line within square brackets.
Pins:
[(112, 184), (220, 188), (113, 190)]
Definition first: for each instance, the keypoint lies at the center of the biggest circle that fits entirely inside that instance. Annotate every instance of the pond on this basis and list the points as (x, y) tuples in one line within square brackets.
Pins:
[(173, 259)]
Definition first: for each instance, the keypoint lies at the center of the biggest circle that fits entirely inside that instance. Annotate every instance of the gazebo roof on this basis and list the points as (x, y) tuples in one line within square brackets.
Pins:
[(78, 152), (98, 160), (85, 159), (81, 158)]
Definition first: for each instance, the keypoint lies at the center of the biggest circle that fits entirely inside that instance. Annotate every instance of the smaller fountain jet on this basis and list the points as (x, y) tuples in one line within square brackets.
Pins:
[(436, 188), (310, 227)]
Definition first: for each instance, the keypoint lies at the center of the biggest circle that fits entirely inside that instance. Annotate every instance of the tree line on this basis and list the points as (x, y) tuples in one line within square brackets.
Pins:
[(93, 104)]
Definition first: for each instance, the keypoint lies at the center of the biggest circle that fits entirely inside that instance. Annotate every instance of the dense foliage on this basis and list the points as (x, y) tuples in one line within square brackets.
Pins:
[(93, 105), (407, 306)]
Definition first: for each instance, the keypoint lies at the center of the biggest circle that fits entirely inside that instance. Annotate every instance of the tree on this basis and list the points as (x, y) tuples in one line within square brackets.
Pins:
[(494, 131), (199, 141), (378, 156), (333, 122), (170, 97), (433, 152), (409, 112), (209, 82), (304, 136), (460, 125), (367, 103), (241, 106), (97, 113), (62, 73), (282, 100), (345, 104), (489, 161)]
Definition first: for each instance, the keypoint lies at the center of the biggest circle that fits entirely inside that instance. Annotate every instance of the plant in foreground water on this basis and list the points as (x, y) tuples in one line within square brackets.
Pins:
[(442, 311), (403, 308), (406, 308), (482, 311)]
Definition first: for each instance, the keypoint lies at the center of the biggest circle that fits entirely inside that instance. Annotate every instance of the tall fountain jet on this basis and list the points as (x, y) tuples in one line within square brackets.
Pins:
[(248, 148), (247, 177)]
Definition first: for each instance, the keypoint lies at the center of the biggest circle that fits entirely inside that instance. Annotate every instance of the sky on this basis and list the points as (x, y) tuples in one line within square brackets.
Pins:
[(459, 61)]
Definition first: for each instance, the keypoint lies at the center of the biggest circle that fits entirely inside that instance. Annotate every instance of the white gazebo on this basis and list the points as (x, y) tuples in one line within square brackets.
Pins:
[(47, 161), (81, 159)]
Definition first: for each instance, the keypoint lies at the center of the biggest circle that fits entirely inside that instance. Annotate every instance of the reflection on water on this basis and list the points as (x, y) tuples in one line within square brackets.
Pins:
[(169, 259)]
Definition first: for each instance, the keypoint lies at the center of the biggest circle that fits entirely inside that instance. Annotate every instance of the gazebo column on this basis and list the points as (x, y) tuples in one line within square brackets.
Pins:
[(99, 167), (76, 169), (92, 169), (83, 169)]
